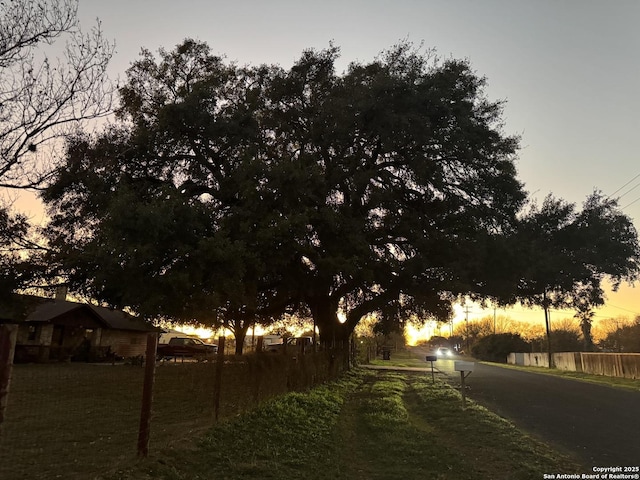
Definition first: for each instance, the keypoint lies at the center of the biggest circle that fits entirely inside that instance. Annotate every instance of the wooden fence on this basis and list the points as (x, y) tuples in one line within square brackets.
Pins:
[(625, 365)]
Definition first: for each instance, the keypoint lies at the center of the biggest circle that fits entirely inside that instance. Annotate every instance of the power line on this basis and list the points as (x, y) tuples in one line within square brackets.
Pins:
[(625, 309), (638, 175), (629, 191), (629, 204)]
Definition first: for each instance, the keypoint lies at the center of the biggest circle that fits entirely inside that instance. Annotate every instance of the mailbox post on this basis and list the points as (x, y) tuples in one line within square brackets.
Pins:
[(432, 358), (465, 369)]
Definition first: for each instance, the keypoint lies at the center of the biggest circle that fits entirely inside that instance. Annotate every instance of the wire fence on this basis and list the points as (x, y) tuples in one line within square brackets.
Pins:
[(76, 421)]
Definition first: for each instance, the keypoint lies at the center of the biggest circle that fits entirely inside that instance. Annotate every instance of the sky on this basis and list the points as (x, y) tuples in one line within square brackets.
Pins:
[(568, 70)]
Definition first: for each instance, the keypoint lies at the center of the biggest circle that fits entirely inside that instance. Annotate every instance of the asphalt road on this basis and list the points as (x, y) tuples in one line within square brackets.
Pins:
[(598, 425)]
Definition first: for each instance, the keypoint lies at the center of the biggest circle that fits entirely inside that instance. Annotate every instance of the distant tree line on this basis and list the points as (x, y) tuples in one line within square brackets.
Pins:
[(624, 338), (567, 336)]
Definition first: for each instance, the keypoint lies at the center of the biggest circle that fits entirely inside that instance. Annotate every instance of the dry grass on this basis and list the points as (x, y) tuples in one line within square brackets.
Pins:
[(75, 421)]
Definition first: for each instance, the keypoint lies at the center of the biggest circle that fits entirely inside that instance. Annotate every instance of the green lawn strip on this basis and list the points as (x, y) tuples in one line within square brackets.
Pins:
[(385, 442), (617, 382), (292, 436), (369, 425), (485, 445), (406, 427), (352, 456)]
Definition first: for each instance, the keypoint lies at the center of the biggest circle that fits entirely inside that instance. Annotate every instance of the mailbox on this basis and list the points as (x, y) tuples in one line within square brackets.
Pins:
[(465, 369), (461, 366), (432, 358)]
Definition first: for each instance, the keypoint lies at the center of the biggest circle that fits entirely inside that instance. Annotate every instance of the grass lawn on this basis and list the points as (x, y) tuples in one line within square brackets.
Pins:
[(73, 421), (368, 425), (76, 421)]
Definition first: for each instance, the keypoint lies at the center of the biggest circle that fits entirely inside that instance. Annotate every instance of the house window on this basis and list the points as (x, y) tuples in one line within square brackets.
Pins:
[(33, 333)]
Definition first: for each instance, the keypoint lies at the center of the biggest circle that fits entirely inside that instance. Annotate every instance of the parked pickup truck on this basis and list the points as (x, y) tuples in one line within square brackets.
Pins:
[(186, 347), (293, 344)]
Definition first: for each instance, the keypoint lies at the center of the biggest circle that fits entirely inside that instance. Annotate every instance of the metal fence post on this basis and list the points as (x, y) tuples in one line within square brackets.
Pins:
[(218, 378), (8, 336), (147, 395)]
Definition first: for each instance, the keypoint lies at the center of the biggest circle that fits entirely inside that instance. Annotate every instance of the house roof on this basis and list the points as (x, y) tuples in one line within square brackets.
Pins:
[(49, 310), (120, 320), (39, 309)]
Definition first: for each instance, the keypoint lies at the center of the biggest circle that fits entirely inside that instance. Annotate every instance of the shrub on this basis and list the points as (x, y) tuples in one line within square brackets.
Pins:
[(623, 339), (562, 340), (496, 347)]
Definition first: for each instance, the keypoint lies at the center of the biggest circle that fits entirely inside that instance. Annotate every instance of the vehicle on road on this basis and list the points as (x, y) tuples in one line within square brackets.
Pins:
[(186, 347), (444, 352)]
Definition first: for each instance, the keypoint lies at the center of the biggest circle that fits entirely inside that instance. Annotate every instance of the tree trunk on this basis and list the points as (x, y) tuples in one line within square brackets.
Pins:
[(547, 321), (240, 329), (585, 325), (325, 316)]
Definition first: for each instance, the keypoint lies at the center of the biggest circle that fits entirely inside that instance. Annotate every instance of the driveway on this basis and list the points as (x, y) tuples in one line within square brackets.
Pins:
[(598, 425)]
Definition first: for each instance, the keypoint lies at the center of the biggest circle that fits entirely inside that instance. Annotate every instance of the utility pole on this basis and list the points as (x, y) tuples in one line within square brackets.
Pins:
[(466, 319), (494, 320), (547, 320)]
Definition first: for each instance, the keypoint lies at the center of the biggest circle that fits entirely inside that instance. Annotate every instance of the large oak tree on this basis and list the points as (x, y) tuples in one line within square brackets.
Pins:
[(382, 190)]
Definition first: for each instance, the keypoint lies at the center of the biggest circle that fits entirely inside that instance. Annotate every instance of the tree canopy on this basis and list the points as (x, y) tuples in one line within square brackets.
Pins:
[(244, 192)]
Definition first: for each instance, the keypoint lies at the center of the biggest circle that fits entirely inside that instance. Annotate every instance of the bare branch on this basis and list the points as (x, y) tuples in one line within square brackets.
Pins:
[(43, 99)]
